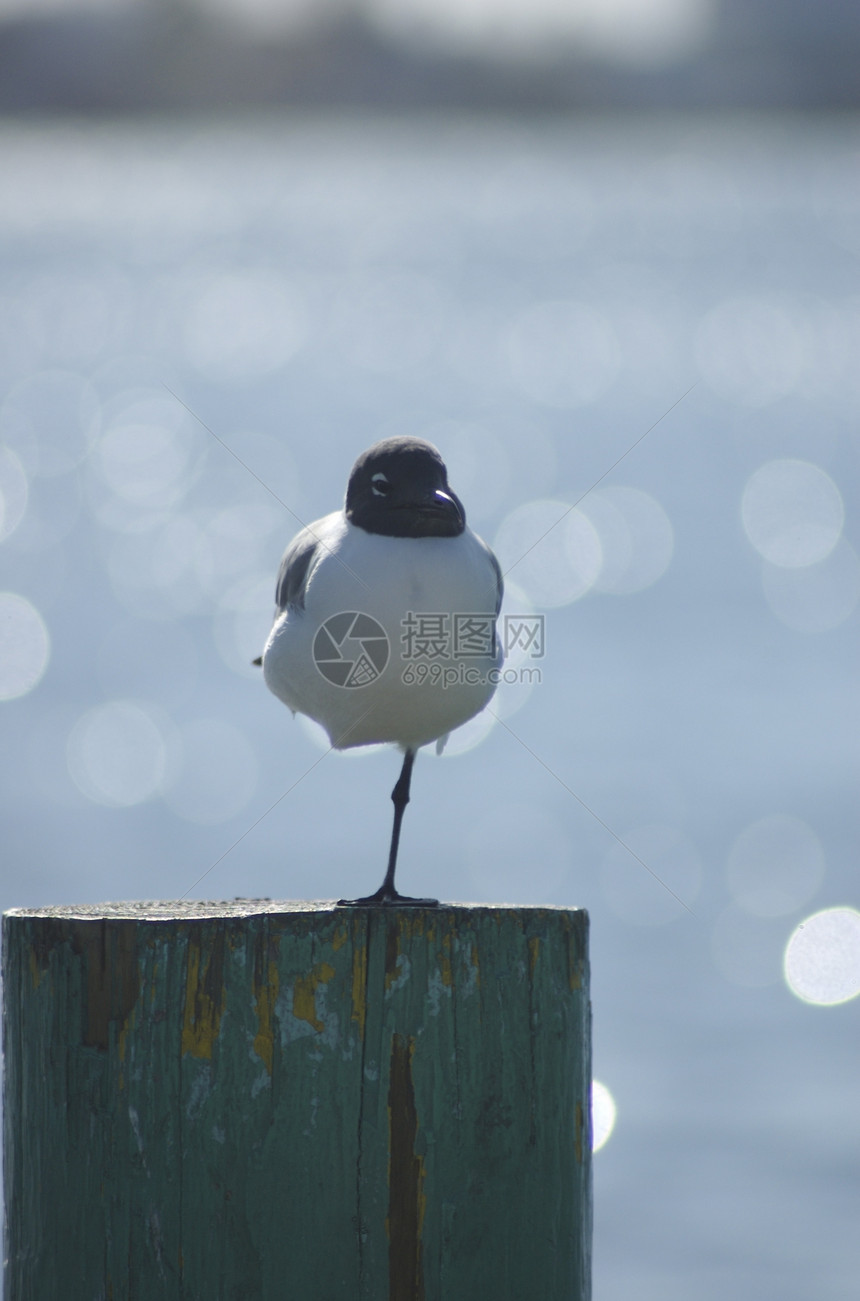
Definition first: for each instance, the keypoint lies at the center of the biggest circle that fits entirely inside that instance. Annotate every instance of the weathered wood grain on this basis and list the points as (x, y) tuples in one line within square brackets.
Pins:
[(277, 1101)]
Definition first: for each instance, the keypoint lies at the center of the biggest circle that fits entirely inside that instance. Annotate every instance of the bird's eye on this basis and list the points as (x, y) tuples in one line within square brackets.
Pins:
[(380, 485)]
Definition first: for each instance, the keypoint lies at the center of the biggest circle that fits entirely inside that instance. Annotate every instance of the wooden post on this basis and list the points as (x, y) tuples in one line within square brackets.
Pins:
[(270, 1101)]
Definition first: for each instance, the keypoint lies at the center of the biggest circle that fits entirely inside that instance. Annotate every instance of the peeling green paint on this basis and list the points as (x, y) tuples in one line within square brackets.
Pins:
[(204, 994), (297, 1100), (359, 986), (265, 998), (305, 991)]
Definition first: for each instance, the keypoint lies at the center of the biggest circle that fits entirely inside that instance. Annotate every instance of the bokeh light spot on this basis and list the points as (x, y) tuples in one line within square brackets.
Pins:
[(751, 350), (53, 511), (775, 865), (817, 598), (143, 464), (554, 552), (243, 326), (642, 33), (50, 420), (13, 492), (242, 622), (822, 957), (479, 465), (636, 538), (24, 646), (792, 513), (603, 1112), (156, 574), (230, 544), (117, 754), (213, 772)]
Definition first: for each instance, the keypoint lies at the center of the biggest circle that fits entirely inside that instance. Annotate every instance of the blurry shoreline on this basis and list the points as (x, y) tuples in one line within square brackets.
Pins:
[(169, 58)]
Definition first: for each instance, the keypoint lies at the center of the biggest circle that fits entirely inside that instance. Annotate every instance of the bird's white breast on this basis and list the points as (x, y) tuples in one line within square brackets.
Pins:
[(398, 582)]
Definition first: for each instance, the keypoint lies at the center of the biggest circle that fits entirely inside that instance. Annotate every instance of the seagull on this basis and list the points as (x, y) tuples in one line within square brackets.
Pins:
[(385, 619)]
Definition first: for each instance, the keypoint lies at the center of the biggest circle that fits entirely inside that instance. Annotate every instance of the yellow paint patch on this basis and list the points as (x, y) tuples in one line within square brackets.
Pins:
[(446, 971), (122, 1043), (359, 986), (36, 972), (392, 955), (204, 1004), (575, 961), (575, 964), (339, 938), (534, 950), (412, 923), (304, 995), (266, 997)]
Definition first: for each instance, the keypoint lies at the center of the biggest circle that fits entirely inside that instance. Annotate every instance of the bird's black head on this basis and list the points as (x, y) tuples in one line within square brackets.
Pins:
[(399, 488)]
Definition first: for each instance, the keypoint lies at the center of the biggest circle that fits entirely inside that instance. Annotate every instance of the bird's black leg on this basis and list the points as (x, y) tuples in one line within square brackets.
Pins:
[(387, 894)]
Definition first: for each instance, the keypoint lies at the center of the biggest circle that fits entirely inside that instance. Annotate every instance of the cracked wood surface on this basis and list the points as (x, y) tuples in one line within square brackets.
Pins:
[(265, 1100)]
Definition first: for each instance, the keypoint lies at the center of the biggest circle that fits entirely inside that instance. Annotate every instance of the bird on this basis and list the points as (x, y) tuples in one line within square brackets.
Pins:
[(385, 619)]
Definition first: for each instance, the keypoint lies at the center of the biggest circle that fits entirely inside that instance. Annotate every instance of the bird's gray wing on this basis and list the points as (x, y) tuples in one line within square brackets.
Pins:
[(500, 581), (297, 564), (497, 570), (295, 567)]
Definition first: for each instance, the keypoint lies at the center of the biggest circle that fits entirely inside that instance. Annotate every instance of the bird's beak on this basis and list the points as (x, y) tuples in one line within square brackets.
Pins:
[(443, 512), (446, 501)]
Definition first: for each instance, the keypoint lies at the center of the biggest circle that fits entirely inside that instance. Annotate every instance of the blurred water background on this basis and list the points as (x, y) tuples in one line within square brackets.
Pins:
[(650, 318)]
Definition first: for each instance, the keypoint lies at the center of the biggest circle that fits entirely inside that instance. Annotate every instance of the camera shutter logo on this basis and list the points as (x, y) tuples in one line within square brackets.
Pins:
[(351, 649)]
